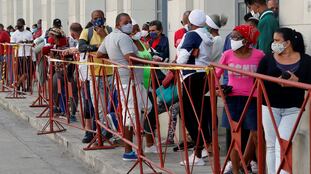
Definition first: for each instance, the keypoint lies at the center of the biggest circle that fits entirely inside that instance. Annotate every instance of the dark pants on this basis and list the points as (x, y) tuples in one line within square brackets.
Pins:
[(195, 86), (25, 67), (150, 122), (59, 97)]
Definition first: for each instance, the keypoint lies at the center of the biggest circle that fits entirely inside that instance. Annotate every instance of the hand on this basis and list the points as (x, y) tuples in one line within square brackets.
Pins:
[(157, 58), (293, 78), (101, 31)]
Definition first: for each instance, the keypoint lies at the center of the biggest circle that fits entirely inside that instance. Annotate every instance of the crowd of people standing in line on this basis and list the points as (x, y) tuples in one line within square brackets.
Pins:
[(259, 46)]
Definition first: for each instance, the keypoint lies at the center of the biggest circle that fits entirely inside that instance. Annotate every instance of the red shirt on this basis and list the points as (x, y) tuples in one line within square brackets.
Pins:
[(155, 42), (37, 34), (179, 34), (4, 38)]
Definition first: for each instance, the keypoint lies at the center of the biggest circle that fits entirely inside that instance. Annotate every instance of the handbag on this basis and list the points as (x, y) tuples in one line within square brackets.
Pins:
[(167, 95)]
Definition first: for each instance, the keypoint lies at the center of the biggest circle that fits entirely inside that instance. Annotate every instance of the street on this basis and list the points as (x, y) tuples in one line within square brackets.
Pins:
[(22, 151)]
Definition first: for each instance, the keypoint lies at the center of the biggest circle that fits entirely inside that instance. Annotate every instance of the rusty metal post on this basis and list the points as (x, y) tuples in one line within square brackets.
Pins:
[(261, 156), (214, 122)]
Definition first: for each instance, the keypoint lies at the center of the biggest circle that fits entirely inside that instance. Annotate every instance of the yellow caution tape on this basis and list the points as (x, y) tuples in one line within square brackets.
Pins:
[(206, 69)]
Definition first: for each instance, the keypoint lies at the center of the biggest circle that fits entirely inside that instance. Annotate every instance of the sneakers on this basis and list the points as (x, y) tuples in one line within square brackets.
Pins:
[(129, 156), (197, 161), (254, 166), (181, 146), (204, 153), (73, 119), (152, 149), (88, 137), (228, 168)]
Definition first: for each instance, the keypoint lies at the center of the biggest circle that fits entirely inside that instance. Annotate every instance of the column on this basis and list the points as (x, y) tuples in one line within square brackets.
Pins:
[(73, 11), (59, 9), (299, 19), (35, 12), (86, 8), (46, 14)]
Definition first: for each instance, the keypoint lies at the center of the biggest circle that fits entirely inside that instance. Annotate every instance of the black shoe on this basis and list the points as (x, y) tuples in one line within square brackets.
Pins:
[(181, 146), (88, 137)]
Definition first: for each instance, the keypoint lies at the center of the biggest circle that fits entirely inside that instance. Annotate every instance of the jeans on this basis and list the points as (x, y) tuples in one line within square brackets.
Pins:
[(285, 119), (101, 99)]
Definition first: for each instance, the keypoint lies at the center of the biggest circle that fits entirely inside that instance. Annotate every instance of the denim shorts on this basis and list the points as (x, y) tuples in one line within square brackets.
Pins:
[(236, 106), (1, 58)]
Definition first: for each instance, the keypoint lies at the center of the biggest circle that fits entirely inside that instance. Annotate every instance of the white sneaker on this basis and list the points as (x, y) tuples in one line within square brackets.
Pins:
[(197, 161), (254, 167), (151, 149), (204, 153), (228, 167)]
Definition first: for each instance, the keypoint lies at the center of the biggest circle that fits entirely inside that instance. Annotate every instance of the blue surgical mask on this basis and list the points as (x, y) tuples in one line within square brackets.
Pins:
[(99, 22), (11, 33), (153, 35), (127, 29), (33, 30)]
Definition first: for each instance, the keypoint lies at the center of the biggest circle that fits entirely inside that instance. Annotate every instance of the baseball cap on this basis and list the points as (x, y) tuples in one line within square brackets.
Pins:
[(57, 23)]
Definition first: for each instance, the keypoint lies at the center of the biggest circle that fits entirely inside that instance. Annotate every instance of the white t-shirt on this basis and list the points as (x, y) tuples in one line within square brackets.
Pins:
[(19, 36)]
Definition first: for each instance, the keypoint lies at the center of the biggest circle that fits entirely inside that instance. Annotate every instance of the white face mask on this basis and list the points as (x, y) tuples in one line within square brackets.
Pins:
[(278, 48), (144, 33), (256, 15), (137, 36), (235, 45), (127, 29)]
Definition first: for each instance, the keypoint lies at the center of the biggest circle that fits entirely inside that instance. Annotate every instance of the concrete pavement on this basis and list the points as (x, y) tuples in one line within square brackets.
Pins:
[(22, 152), (102, 161)]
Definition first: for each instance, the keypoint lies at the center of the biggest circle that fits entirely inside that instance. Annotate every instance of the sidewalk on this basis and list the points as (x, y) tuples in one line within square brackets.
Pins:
[(103, 161)]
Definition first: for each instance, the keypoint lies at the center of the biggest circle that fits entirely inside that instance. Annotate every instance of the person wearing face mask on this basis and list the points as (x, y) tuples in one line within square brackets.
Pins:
[(145, 37), (288, 61), (159, 44), (215, 22), (38, 32), (89, 42), (118, 46), (179, 34), (195, 49), (267, 25), (243, 57), (23, 36)]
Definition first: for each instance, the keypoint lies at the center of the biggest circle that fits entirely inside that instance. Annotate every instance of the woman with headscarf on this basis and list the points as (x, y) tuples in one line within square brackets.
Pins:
[(214, 23), (242, 56)]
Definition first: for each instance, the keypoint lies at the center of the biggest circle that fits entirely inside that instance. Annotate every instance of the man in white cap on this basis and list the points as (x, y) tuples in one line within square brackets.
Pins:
[(195, 49)]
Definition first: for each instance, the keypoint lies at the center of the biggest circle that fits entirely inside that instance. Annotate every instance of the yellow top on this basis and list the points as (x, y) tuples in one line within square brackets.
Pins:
[(96, 40)]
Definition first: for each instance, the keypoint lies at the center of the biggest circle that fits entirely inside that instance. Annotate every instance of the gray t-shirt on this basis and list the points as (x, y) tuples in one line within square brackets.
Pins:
[(116, 45)]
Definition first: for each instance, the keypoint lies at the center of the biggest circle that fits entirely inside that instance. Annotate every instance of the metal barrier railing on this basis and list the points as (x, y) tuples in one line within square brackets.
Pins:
[(106, 89)]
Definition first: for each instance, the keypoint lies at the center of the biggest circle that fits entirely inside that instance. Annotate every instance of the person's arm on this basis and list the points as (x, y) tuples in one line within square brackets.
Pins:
[(191, 41), (165, 54), (13, 38), (102, 51), (267, 29), (223, 61), (263, 66), (127, 48), (84, 45)]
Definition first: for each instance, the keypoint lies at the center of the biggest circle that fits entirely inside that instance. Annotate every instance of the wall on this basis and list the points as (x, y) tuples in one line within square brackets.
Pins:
[(300, 21)]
